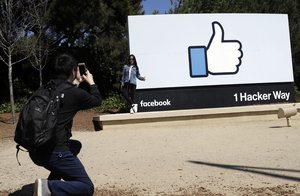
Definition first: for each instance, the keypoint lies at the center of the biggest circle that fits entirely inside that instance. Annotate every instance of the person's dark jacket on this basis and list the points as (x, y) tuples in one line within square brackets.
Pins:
[(75, 99)]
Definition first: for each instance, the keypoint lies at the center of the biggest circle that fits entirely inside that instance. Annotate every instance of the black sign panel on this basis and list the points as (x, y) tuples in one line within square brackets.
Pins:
[(213, 96)]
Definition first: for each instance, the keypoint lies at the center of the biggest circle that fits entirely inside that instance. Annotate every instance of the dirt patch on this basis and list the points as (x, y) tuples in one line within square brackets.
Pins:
[(82, 122), (6, 127), (210, 157), (196, 191)]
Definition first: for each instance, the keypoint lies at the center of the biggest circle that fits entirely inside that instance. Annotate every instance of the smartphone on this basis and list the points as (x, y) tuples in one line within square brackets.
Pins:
[(82, 68)]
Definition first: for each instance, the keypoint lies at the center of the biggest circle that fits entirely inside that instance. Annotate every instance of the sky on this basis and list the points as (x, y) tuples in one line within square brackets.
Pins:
[(161, 5)]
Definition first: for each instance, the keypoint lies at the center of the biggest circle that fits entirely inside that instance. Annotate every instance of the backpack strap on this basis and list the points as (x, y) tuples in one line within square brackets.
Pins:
[(61, 85), (18, 149), (59, 91)]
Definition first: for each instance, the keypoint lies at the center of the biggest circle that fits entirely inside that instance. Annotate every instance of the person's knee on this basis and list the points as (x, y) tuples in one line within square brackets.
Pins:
[(90, 189), (75, 147)]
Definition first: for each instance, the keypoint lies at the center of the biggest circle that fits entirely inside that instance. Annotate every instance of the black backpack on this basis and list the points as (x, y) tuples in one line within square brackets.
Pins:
[(38, 117)]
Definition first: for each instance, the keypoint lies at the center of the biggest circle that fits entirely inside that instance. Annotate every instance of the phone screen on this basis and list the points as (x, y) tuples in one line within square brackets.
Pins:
[(82, 68)]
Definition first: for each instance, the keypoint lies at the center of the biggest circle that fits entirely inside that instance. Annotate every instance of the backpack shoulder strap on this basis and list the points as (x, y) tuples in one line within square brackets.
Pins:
[(59, 91), (63, 86), (18, 149), (60, 85)]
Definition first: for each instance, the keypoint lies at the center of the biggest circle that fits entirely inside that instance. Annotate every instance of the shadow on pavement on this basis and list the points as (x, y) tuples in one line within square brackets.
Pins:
[(26, 190), (254, 170), (277, 127)]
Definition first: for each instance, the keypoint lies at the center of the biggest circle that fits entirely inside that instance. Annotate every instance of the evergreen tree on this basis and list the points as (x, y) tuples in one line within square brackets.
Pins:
[(96, 31)]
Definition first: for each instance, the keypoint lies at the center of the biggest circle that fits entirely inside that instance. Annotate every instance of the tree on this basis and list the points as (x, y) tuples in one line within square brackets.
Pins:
[(155, 12), (14, 42), (41, 43), (96, 31)]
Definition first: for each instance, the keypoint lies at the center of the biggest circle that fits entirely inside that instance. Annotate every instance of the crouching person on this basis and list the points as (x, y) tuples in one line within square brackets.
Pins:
[(67, 174)]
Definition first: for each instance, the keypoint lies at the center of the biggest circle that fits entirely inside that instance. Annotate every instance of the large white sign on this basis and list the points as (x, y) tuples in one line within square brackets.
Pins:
[(211, 49)]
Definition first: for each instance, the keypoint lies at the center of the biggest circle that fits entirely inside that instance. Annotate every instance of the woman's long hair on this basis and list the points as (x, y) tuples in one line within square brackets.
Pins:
[(135, 62)]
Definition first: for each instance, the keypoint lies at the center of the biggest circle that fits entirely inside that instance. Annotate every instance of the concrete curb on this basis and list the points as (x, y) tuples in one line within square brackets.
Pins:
[(143, 117)]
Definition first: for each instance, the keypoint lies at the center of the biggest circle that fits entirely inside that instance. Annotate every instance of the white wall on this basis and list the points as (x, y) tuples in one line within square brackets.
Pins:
[(160, 44)]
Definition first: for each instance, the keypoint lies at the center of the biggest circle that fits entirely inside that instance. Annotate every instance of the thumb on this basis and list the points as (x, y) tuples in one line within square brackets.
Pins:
[(218, 33)]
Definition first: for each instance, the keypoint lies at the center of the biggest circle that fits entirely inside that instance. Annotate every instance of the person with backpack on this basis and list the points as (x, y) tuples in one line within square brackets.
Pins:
[(128, 82), (67, 174)]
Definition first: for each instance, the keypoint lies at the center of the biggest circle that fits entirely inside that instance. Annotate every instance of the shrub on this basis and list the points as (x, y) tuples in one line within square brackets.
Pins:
[(112, 104), (6, 107)]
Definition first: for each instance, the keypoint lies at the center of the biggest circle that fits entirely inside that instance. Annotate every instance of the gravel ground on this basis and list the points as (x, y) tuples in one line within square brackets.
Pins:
[(248, 155)]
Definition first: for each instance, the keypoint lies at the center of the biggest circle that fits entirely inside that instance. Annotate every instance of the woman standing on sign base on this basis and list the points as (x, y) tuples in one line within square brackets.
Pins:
[(128, 82)]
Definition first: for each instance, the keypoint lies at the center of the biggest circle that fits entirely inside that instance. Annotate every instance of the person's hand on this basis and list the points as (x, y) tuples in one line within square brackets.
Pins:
[(78, 79), (121, 86), (88, 77), (76, 82)]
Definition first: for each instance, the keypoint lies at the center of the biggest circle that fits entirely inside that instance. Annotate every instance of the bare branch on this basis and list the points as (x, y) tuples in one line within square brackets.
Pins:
[(18, 61), (1, 59)]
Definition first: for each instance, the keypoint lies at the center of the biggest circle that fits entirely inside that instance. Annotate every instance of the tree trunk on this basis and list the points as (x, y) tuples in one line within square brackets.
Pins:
[(11, 90), (41, 75), (40, 64)]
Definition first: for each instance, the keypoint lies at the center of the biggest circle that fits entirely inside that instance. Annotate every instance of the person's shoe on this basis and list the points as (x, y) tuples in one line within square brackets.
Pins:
[(135, 108), (132, 111), (41, 188)]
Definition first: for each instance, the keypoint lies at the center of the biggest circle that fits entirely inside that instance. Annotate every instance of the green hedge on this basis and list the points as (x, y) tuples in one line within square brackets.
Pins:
[(6, 107)]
